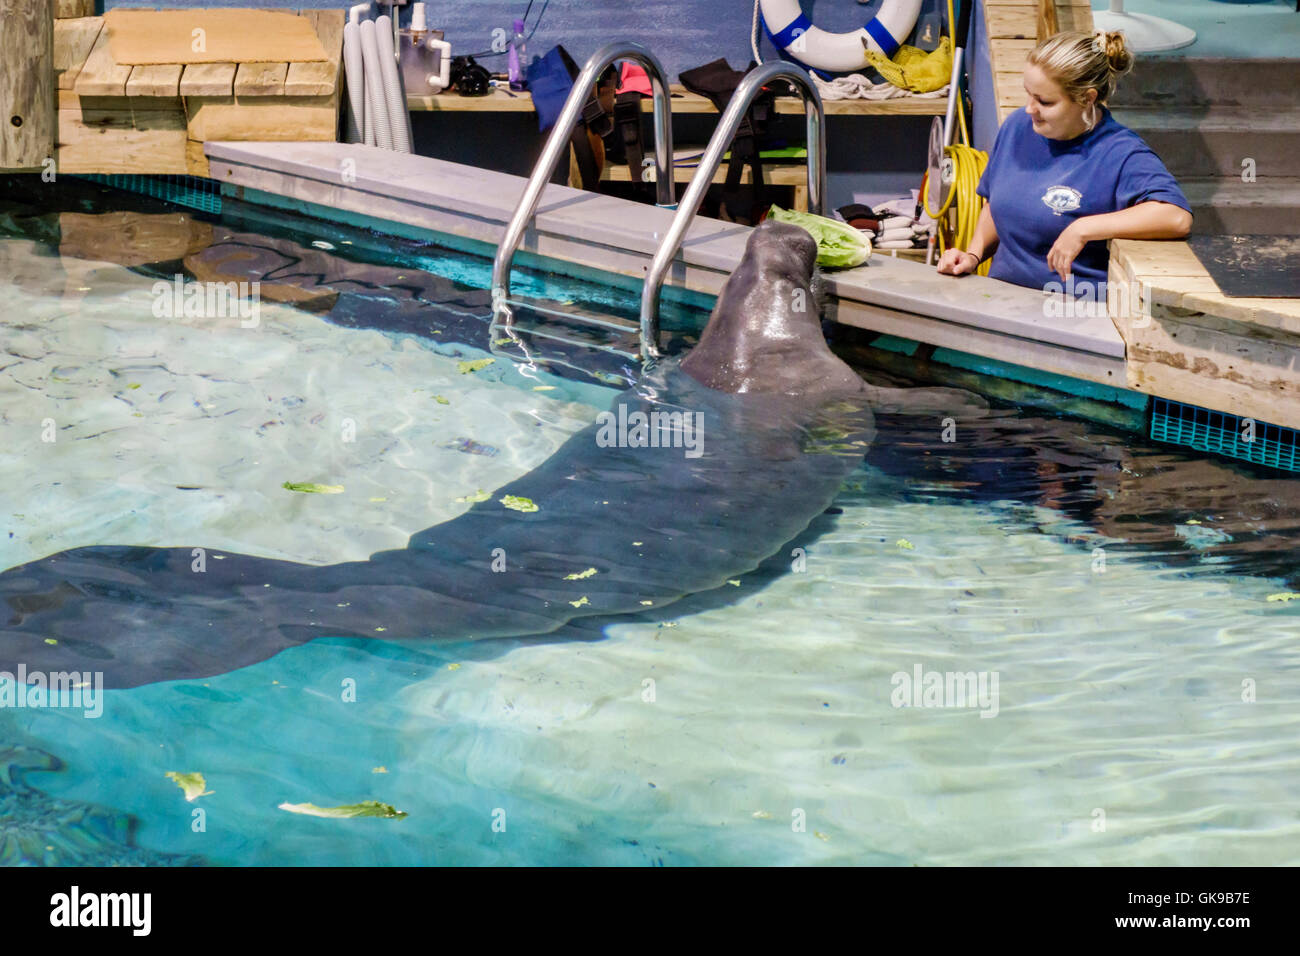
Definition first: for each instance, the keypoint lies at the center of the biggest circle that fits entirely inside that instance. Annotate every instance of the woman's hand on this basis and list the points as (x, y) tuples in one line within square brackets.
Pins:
[(957, 262), (1067, 247)]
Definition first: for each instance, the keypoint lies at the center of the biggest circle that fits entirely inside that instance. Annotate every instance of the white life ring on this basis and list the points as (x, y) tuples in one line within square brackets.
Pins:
[(794, 34)]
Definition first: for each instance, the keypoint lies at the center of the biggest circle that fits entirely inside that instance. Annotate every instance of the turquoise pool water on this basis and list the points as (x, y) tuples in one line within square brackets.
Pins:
[(1134, 604)]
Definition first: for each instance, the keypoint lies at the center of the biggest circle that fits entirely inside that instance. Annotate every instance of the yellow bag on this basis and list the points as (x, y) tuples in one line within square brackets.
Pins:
[(914, 69)]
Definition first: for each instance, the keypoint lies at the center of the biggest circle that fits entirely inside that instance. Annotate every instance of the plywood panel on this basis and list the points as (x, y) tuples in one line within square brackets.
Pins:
[(151, 36)]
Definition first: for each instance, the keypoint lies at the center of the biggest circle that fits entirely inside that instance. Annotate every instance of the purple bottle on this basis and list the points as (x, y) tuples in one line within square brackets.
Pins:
[(515, 59)]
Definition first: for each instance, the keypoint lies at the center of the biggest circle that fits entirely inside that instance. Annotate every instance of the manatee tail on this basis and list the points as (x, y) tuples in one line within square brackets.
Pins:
[(615, 530)]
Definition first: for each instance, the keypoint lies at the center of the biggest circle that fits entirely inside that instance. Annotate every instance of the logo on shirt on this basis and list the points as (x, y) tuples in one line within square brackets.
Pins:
[(1061, 199)]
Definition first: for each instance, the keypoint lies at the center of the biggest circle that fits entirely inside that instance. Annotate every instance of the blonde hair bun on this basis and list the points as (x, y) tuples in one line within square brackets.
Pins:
[(1079, 62), (1117, 52)]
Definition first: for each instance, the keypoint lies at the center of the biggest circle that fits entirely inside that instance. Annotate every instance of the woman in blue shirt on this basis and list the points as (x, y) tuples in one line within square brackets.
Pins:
[(1063, 176)]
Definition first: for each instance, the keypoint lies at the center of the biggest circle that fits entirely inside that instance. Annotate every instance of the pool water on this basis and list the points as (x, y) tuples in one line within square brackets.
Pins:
[(1133, 602)]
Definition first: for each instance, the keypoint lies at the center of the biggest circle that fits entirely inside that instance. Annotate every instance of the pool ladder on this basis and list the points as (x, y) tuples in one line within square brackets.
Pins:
[(746, 92)]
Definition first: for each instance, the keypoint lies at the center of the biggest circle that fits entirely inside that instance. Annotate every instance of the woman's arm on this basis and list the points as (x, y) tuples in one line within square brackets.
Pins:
[(983, 243), (1147, 220)]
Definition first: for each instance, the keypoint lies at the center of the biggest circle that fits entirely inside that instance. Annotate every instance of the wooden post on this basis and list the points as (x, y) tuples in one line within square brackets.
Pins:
[(1047, 22), (27, 93)]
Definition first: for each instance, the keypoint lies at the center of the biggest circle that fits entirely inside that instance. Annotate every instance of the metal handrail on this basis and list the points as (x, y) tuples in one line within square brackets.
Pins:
[(558, 143), (745, 94)]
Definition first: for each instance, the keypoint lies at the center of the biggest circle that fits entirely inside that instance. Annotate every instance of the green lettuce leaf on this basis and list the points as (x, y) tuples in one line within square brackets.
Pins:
[(839, 245)]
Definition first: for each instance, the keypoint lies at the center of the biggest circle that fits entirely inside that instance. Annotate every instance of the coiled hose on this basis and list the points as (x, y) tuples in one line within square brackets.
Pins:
[(356, 111), (376, 104), (968, 166), (399, 120)]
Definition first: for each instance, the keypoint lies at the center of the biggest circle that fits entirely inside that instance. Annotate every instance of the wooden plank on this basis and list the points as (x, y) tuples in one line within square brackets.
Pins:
[(163, 80), (261, 79), (1154, 258), (776, 175), (1019, 20), (319, 78), (101, 76), (69, 100), (1013, 20), (208, 79), (116, 141), (281, 118), (1010, 56), (27, 112), (73, 41), (1254, 377), (1010, 88), (196, 161), (498, 101), (70, 9)]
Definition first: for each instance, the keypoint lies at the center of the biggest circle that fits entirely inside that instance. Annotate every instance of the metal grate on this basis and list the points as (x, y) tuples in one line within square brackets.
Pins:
[(192, 191), (1224, 434)]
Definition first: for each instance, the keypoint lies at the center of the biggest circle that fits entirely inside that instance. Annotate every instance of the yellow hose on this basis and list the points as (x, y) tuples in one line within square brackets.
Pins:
[(968, 166)]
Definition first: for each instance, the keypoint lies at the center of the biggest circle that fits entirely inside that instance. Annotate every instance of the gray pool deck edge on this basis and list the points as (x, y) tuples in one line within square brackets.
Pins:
[(972, 314)]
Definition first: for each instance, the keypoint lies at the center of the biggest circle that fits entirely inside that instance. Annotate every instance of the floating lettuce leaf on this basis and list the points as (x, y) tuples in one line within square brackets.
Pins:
[(1284, 596), (366, 808), (517, 503), (578, 576), (311, 488), (479, 495), (839, 245), (466, 368), (192, 783)]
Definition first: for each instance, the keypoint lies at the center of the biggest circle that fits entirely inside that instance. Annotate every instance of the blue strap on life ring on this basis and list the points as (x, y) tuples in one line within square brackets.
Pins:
[(883, 37), (801, 24), (798, 25)]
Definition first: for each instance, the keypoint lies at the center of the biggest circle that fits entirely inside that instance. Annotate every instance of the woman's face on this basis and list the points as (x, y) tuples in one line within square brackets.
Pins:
[(1054, 114)]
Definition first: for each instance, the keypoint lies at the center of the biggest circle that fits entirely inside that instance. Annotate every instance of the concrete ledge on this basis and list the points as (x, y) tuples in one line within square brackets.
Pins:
[(972, 314)]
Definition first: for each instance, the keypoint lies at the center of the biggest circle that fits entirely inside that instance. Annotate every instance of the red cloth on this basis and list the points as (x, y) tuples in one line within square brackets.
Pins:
[(634, 77)]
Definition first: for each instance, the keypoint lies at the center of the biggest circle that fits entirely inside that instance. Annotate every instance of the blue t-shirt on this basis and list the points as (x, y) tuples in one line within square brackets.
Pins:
[(1037, 186)]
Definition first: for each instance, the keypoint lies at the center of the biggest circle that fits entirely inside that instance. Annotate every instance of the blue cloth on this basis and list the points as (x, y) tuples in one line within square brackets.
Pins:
[(549, 82), (1037, 186)]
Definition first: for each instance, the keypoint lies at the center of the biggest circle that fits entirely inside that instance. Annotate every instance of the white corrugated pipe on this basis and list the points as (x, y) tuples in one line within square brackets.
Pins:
[(376, 106), (354, 121), (399, 119)]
